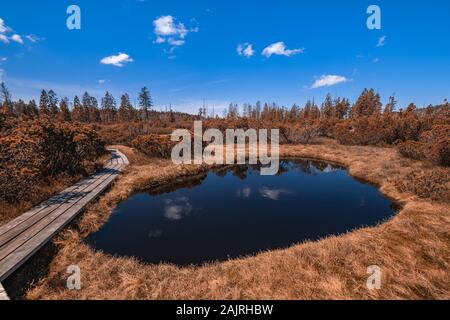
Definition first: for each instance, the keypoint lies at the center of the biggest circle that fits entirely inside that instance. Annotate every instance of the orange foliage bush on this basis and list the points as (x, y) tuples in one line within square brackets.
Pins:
[(431, 184), (433, 145), (360, 131), (299, 134), (154, 145), (32, 150)]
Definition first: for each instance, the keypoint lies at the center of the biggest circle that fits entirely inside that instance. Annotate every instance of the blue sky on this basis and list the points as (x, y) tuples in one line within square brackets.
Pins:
[(187, 51)]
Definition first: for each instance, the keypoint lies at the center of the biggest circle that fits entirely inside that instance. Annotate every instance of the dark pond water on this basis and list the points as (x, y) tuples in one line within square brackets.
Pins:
[(237, 212)]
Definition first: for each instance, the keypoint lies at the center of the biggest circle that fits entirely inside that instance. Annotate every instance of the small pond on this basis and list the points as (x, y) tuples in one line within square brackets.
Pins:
[(236, 212)]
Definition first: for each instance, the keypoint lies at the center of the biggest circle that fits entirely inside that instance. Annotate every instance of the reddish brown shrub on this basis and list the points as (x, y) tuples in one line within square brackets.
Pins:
[(432, 184), (437, 144), (433, 146), (154, 145), (299, 134), (412, 149), (360, 131), (32, 150)]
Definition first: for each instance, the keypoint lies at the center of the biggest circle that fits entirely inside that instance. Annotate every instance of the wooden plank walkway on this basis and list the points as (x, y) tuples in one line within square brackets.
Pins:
[(25, 235)]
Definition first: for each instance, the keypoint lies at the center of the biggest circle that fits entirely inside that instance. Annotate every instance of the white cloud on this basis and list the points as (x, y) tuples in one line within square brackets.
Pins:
[(273, 194), (17, 38), (2, 59), (279, 48), (245, 49), (101, 81), (160, 40), (175, 209), (328, 81), (33, 38), (243, 193), (3, 26), (376, 60), (166, 26), (118, 60), (4, 38), (381, 41), (168, 30), (175, 42)]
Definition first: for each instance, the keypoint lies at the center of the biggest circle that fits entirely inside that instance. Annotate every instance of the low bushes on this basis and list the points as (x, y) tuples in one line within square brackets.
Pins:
[(427, 184), (33, 150), (154, 145), (299, 134), (433, 145)]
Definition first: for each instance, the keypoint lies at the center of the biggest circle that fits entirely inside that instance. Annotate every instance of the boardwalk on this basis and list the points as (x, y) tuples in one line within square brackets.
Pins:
[(22, 237)]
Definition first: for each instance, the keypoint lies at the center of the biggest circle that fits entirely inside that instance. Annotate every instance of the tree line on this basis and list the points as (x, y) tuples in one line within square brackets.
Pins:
[(368, 104), (86, 110)]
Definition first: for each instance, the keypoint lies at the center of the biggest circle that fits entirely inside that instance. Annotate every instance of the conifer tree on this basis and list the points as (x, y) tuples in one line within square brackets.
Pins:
[(52, 104), (31, 109), (390, 106), (145, 103), (5, 99), (327, 108), (367, 104), (93, 111), (109, 111), (77, 111), (125, 108), (341, 108), (64, 115), (43, 104)]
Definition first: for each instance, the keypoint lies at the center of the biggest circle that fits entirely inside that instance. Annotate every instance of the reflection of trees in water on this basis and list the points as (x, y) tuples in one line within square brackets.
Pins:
[(309, 167), (312, 167), (240, 171), (180, 183)]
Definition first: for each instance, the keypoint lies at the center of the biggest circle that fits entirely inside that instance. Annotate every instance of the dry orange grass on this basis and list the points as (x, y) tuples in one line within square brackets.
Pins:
[(413, 248)]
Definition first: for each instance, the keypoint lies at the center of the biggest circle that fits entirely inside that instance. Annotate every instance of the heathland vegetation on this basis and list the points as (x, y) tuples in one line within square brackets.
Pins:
[(46, 146)]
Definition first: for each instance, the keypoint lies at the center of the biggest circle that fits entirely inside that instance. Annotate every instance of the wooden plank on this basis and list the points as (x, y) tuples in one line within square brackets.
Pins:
[(3, 295), (123, 157), (14, 260), (50, 210), (28, 233), (11, 241), (63, 195)]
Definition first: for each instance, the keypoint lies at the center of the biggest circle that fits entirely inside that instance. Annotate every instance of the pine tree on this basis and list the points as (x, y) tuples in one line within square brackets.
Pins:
[(31, 109), (109, 111), (43, 104), (367, 104), (310, 111), (94, 112), (125, 108), (258, 110), (86, 106), (64, 115), (145, 103), (390, 106), (77, 111), (19, 107), (294, 113), (342, 107), (52, 104), (327, 108), (5, 99)]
